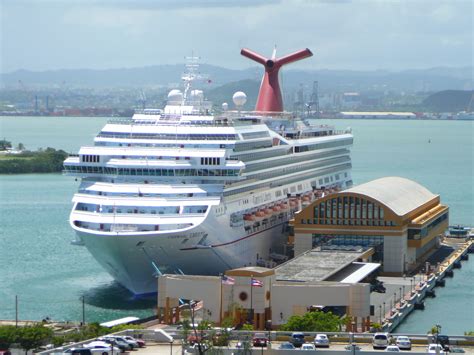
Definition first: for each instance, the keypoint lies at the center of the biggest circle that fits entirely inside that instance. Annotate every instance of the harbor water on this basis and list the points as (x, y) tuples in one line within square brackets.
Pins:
[(50, 276)]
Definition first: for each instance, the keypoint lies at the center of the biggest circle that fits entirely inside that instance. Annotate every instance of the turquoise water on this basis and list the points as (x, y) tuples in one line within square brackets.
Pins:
[(50, 276)]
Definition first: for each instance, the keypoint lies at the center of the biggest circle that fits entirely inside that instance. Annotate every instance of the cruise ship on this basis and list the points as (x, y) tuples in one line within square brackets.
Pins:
[(186, 190)]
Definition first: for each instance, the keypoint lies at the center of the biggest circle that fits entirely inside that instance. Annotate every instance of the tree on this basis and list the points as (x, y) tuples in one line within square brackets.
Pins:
[(20, 147), (8, 335), (313, 321), (4, 144), (33, 336)]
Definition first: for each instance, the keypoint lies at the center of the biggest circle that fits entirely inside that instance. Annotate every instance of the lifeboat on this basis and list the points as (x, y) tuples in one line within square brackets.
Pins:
[(293, 203), (284, 206), (260, 213), (306, 198), (249, 217), (276, 208), (268, 211)]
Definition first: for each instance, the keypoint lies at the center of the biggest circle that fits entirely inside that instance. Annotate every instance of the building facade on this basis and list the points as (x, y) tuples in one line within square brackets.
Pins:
[(400, 219)]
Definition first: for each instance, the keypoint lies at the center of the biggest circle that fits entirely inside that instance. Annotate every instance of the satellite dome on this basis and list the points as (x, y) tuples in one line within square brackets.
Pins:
[(239, 98), (225, 106), (175, 97)]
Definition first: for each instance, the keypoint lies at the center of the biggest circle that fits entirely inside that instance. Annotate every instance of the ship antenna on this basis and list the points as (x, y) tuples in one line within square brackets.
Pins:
[(269, 97)]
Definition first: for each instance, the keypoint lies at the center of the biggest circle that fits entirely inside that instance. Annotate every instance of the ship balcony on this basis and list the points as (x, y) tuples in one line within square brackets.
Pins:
[(144, 201), (137, 218)]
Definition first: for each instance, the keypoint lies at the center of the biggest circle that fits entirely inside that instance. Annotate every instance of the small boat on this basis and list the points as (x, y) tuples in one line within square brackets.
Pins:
[(458, 231)]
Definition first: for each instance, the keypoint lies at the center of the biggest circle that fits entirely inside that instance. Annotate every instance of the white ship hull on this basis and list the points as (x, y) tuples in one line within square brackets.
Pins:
[(129, 258)]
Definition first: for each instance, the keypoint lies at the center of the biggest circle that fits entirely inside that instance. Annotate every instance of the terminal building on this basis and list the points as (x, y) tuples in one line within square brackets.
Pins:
[(400, 219), (342, 241)]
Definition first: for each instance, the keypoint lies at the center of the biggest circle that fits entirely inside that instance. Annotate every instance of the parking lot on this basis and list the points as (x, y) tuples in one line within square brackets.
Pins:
[(176, 348)]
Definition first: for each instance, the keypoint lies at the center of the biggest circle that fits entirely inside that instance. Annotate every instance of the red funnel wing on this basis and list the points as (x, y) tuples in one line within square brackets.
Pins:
[(269, 96)]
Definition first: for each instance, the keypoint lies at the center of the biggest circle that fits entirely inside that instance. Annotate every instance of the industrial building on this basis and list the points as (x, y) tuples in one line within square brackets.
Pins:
[(377, 115), (397, 217)]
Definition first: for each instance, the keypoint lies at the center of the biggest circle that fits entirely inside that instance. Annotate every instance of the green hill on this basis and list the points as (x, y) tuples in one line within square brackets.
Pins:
[(449, 101), (225, 92)]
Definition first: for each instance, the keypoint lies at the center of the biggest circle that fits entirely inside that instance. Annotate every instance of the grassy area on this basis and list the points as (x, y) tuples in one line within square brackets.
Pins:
[(44, 161)]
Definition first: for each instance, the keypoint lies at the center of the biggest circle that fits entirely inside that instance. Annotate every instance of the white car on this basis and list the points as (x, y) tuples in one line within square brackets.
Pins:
[(392, 348), (321, 340), (308, 346), (433, 348), (403, 342), (101, 347), (380, 340)]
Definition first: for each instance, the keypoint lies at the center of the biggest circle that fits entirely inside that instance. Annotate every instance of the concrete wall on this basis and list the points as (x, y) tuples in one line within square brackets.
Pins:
[(303, 242), (206, 289), (394, 253), (256, 296)]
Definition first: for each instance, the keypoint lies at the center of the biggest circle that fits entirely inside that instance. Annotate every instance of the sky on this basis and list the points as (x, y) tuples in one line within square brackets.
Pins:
[(343, 34)]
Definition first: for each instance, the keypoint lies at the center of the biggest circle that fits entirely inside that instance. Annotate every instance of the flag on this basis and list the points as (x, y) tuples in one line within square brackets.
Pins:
[(226, 280), (256, 283)]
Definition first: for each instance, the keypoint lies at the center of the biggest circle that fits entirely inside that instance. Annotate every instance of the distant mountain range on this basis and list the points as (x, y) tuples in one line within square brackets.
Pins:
[(434, 79)]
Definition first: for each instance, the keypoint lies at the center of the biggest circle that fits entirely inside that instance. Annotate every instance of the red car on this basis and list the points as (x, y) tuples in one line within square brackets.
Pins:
[(260, 339)]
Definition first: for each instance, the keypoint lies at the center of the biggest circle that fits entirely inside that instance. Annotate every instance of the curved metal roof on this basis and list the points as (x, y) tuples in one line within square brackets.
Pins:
[(399, 194)]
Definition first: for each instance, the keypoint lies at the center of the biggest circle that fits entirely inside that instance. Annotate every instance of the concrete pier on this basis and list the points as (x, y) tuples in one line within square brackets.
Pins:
[(424, 284)]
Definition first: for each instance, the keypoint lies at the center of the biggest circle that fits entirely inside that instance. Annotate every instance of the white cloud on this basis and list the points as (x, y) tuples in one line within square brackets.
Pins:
[(363, 34)]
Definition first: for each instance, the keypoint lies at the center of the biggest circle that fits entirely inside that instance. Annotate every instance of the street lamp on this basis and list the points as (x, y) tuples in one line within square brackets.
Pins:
[(438, 329), (384, 309), (380, 313)]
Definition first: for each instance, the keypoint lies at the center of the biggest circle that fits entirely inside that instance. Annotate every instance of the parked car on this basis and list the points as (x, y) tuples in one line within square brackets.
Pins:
[(286, 346), (443, 340), (433, 348), (377, 286), (297, 339), (457, 350), (141, 343), (101, 347), (260, 339), (392, 348), (123, 346), (78, 351), (321, 341), (308, 346), (130, 341), (349, 347), (380, 340), (403, 342)]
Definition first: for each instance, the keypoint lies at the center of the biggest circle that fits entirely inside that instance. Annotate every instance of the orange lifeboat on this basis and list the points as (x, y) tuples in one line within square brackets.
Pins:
[(249, 217), (306, 198), (276, 208), (284, 206), (260, 213), (268, 211), (293, 203)]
